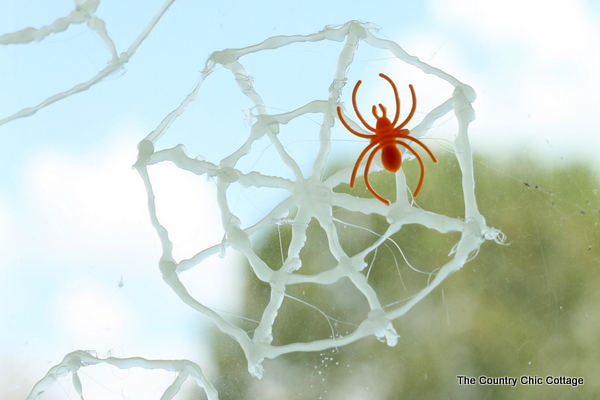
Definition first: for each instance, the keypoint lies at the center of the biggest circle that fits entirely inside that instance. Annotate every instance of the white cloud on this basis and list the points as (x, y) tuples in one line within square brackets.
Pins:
[(91, 227), (187, 207), (538, 78), (86, 312), (6, 227), (557, 26), (84, 200)]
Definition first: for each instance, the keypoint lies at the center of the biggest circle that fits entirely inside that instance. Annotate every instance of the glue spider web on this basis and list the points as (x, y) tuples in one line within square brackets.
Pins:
[(310, 198)]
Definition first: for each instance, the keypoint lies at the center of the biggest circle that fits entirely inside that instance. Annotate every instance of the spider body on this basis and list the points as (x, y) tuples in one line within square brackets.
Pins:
[(391, 157), (386, 138)]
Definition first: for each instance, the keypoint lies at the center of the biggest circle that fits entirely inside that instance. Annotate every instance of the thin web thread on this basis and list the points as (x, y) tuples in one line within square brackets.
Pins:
[(313, 198)]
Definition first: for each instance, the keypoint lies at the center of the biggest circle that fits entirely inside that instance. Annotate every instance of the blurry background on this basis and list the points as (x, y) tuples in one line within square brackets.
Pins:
[(78, 257)]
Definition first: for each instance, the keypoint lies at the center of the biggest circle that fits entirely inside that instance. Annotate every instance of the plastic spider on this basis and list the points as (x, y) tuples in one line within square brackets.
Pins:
[(386, 138)]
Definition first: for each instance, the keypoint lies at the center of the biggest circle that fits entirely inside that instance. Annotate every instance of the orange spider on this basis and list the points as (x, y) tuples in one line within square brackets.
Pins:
[(386, 138)]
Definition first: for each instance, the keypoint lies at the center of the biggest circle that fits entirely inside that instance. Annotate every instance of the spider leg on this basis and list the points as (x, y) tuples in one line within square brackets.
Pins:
[(367, 167), (403, 136), (369, 127), (395, 95), (421, 163), (413, 108), (362, 135), (360, 157), (396, 140)]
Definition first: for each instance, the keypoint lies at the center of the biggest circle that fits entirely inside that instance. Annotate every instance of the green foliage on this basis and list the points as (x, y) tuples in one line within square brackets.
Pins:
[(529, 307)]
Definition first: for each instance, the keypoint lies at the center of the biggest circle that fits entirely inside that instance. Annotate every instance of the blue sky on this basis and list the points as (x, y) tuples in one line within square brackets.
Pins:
[(73, 221)]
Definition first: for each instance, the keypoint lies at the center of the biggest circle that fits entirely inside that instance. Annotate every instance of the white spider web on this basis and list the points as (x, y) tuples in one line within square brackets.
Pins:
[(310, 197), (77, 360), (85, 12)]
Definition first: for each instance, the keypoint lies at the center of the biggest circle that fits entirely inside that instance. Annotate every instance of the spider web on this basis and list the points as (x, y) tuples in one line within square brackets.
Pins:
[(77, 360), (310, 197), (73, 363)]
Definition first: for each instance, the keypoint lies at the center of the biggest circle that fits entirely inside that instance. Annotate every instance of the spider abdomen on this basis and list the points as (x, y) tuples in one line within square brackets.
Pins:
[(391, 157)]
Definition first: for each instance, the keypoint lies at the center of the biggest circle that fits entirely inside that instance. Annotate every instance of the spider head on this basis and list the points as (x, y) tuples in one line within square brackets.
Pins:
[(383, 122)]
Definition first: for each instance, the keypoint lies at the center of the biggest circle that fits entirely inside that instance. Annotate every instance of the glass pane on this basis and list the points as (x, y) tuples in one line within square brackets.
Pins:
[(237, 242)]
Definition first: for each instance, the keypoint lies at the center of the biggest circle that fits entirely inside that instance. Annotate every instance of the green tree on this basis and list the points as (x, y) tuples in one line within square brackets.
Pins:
[(528, 307)]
